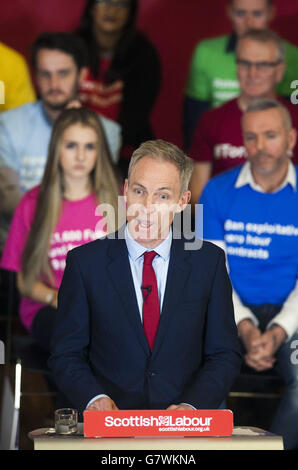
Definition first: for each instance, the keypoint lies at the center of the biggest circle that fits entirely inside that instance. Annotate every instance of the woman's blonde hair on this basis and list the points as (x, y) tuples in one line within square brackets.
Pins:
[(35, 262)]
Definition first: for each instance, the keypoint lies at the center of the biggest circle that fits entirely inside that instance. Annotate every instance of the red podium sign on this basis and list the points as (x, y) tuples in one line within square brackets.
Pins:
[(158, 423)]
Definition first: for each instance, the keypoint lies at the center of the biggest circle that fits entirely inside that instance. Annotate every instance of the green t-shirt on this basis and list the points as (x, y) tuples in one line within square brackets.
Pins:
[(213, 74)]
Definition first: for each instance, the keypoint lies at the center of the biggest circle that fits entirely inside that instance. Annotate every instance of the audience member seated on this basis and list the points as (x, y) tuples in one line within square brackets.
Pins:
[(58, 60), (124, 70), (16, 87), (212, 79), (59, 214), (218, 143), (251, 212)]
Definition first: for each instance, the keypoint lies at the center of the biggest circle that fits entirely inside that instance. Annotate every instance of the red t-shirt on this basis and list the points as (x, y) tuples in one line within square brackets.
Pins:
[(218, 137), (100, 97)]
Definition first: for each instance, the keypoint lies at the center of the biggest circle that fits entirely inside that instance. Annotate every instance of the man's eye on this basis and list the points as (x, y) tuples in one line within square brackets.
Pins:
[(138, 191), (257, 14), (240, 13), (63, 73), (163, 196), (44, 75)]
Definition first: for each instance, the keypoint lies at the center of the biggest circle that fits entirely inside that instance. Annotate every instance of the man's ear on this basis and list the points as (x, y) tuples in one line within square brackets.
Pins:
[(125, 188), (228, 9), (83, 74), (184, 200), (272, 13), (292, 138), (280, 70)]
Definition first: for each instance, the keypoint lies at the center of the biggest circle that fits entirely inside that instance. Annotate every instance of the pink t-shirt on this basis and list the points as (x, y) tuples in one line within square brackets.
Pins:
[(79, 223)]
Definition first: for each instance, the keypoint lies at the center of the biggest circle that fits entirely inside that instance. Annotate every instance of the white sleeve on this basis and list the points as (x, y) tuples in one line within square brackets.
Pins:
[(96, 398), (241, 312), (287, 318)]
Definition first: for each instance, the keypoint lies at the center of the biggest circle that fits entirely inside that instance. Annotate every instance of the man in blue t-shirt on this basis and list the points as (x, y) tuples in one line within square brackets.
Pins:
[(251, 212)]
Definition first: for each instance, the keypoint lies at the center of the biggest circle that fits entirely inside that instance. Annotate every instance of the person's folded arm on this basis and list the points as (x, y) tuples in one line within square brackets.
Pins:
[(40, 292)]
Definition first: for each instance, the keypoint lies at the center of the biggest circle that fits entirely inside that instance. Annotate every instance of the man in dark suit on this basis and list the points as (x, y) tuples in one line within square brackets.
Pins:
[(143, 322)]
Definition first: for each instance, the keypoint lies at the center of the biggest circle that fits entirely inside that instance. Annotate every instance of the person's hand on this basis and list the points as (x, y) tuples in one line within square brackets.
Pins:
[(264, 348), (102, 404), (249, 333), (259, 361), (180, 407), (74, 104), (55, 300)]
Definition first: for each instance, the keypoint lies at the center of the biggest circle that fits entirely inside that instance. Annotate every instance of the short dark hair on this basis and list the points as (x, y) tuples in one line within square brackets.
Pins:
[(61, 41)]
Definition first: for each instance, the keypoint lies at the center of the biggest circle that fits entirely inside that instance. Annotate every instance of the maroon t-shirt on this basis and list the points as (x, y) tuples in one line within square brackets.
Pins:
[(218, 136)]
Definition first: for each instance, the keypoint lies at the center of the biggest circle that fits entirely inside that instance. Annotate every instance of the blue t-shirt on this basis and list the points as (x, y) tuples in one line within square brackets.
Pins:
[(24, 138), (260, 231)]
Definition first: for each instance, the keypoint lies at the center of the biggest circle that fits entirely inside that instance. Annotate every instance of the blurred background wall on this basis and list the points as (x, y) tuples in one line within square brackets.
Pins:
[(174, 26)]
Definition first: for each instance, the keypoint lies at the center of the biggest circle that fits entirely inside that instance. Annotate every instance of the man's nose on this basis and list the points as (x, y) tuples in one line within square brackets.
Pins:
[(149, 204), (54, 81), (250, 22), (260, 143), (253, 70)]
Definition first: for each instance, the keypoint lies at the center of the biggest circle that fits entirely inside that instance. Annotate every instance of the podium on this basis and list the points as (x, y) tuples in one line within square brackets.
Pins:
[(157, 430), (242, 438)]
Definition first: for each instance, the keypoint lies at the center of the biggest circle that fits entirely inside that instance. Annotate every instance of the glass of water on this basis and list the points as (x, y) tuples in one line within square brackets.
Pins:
[(66, 421)]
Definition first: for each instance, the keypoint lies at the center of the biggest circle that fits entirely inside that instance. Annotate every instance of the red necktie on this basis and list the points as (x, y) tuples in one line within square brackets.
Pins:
[(151, 311)]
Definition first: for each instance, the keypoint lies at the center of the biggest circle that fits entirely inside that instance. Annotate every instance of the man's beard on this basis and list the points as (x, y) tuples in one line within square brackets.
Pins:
[(57, 106), (62, 104), (278, 162)]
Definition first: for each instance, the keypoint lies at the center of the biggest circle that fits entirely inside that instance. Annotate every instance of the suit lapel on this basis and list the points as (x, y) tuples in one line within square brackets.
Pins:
[(120, 274), (178, 273)]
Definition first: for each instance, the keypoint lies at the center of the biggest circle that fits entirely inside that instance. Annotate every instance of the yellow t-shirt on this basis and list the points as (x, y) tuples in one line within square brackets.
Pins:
[(15, 82)]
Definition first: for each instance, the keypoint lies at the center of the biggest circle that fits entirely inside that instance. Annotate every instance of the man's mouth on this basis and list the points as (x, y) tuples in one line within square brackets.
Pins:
[(144, 224)]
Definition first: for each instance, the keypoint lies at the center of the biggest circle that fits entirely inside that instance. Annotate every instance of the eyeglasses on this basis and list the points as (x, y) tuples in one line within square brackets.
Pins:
[(260, 66), (118, 4)]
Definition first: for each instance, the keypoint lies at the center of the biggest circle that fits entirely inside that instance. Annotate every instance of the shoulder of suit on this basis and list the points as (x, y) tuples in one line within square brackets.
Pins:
[(198, 247), (90, 249)]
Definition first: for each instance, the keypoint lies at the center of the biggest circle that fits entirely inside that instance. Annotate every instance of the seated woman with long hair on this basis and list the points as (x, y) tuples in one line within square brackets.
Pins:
[(59, 214), (124, 70)]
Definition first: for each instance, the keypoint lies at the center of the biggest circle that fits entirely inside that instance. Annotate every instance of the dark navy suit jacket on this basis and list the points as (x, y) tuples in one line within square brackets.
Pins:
[(99, 345)]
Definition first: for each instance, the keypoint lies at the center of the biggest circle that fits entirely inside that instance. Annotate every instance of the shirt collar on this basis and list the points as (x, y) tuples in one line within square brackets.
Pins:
[(136, 250), (245, 177), (231, 44)]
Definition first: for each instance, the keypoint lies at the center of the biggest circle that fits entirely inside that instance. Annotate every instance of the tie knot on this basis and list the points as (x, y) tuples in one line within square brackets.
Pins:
[(149, 256)]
